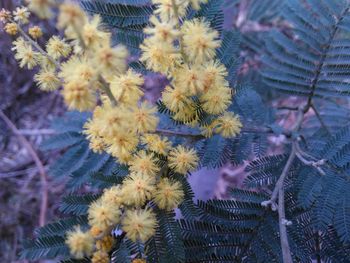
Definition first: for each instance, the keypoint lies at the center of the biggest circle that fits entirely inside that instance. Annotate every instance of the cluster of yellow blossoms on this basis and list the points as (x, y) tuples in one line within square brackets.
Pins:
[(95, 76)]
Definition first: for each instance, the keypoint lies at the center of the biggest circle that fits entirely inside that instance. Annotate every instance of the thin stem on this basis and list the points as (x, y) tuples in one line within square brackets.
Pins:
[(107, 90), (318, 115), (38, 163), (286, 254), (278, 191)]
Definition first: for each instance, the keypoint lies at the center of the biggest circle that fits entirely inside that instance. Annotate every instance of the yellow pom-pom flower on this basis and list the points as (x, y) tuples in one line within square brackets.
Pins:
[(187, 115), (105, 244), (100, 257), (25, 54), (169, 194), (71, 15), (92, 130), (35, 32), (5, 15), (96, 231), (228, 125), (156, 144), (78, 96), (47, 80), (11, 29), (137, 189), (214, 74), (78, 67), (163, 31), (121, 144), (189, 79), (57, 48), (139, 260), (139, 224), (175, 99), (200, 40), (144, 118), (111, 61), (165, 9), (91, 33), (80, 243), (183, 160), (42, 8), (112, 196), (216, 101), (144, 164), (102, 215), (126, 88), (21, 15), (159, 56)]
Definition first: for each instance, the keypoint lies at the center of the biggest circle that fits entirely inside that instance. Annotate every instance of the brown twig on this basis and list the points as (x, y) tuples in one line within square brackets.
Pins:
[(278, 191), (38, 163)]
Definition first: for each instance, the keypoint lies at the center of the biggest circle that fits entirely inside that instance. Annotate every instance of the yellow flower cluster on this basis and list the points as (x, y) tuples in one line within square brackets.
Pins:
[(94, 76), (186, 53)]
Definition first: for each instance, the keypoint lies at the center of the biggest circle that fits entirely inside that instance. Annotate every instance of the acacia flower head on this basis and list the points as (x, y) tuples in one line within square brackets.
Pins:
[(228, 125), (80, 243), (11, 29), (144, 164), (71, 15), (126, 88), (216, 101), (200, 40), (183, 160), (78, 67), (103, 215), (35, 32), (214, 74), (105, 244), (100, 257), (111, 60), (139, 224), (159, 56), (5, 15), (189, 79), (47, 80), (78, 96), (121, 144), (175, 99), (92, 130), (156, 144), (165, 9), (144, 118), (25, 54), (162, 30), (57, 48), (91, 33), (112, 196), (21, 15), (169, 194), (42, 8), (137, 189)]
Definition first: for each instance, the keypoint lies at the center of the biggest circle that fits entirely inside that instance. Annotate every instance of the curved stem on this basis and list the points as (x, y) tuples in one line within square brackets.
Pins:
[(38, 163)]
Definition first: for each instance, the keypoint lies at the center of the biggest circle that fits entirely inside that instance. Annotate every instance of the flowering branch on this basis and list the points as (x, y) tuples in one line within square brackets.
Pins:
[(36, 45)]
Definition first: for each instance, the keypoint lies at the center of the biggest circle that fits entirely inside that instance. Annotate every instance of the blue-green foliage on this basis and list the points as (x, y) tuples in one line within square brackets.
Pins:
[(316, 62)]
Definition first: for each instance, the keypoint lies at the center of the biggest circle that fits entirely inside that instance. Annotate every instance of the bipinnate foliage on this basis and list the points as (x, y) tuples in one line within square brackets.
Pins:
[(309, 58)]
